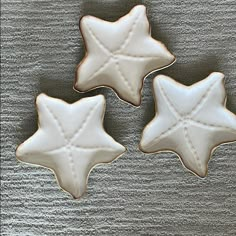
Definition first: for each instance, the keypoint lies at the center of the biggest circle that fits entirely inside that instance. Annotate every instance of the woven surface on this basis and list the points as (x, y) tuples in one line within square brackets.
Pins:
[(137, 194)]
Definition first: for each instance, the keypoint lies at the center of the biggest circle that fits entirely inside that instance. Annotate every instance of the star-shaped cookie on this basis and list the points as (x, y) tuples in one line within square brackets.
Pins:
[(120, 54), (190, 121), (70, 140)]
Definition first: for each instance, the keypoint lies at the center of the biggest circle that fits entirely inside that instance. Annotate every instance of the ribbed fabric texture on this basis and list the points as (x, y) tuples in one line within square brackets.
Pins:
[(138, 194)]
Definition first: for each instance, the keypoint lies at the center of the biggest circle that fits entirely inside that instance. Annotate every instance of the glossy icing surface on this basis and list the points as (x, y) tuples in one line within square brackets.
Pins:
[(120, 54), (70, 141), (190, 121)]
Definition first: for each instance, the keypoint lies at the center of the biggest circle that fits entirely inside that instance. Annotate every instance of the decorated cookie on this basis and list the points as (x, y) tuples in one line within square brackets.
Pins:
[(120, 54), (190, 121), (70, 141)]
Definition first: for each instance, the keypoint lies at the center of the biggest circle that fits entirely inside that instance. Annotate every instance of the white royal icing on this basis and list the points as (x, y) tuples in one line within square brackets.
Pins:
[(70, 140), (120, 54), (190, 121)]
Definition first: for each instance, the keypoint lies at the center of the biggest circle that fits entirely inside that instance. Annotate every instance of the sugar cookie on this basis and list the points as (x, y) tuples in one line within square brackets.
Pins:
[(120, 54), (190, 121), (70, 141)]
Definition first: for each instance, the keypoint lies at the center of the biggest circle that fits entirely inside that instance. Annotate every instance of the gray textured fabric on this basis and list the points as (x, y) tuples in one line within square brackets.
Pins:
[(137, 194)]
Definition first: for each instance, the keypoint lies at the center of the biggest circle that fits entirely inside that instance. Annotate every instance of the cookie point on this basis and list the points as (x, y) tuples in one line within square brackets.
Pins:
[(84, 20), (202, 174), (122, 149), (136, 101), (41, 97), (143, 146), (80, 84), (139, 8), (160, 78), (77, 196), (76, 87), (200, 171), (19, 153), (170, 58), (100, 98), (218, 75)]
